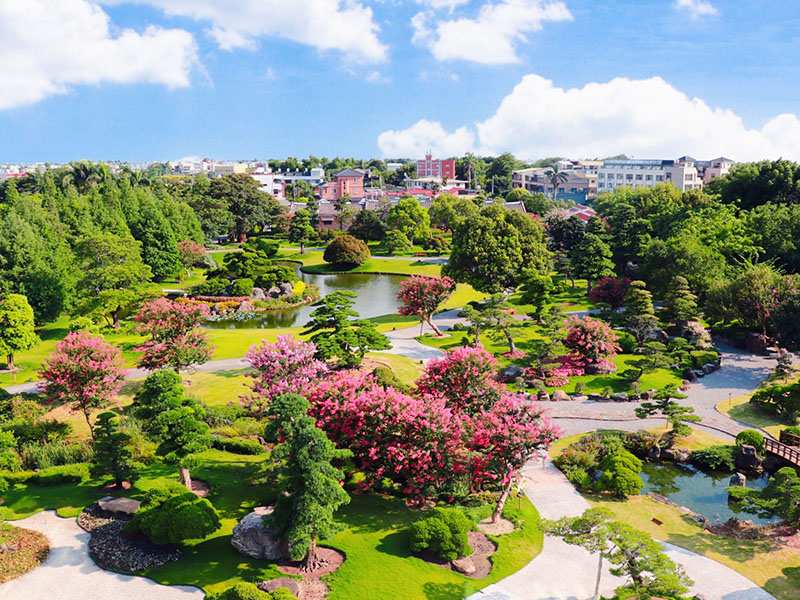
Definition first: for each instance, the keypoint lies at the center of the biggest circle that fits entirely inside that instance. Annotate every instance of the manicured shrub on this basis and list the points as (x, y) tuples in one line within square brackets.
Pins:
[(346, 250), (3, 486), (242, 591), (627, 342), (702, 357), (580, 479), (268, 247), (77, 473), (396, 242), (212, 287), (751, 438), (611, 291), (620, 474), (385, 377), (241, 288), (168, 516), (237, 445), (45, 431), (9, 461), (577, 459), (714, 458), (781, 400), (443, 531), (437, 244)]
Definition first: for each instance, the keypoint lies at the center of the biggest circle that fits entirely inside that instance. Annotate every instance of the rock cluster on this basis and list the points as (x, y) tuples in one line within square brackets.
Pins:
[(252, 538)]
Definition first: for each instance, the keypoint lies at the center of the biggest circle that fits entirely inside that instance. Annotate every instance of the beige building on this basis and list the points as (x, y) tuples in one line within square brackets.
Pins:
[(638, 173)]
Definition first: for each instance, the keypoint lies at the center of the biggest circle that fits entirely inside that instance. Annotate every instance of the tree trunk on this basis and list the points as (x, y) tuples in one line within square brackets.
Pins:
[(311, 557), (498, 510), (10, 362), (302, 247), (86, 412), (186, 478), (588, 287), (512, 347), (599, 573), (434, 327), (115, 315), (477, 336)]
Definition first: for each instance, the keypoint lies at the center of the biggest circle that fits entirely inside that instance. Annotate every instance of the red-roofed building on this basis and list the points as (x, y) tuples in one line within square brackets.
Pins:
[(345, 182)]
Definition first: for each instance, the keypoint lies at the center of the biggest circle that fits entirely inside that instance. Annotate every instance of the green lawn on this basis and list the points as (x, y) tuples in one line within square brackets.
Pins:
[(378, 566), (313, 263), (750, 414)]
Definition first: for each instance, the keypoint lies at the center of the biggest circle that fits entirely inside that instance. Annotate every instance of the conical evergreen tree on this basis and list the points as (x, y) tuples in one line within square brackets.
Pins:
[(680, 302), (159, 247), (591, 259), (639, 301), (111, 453)]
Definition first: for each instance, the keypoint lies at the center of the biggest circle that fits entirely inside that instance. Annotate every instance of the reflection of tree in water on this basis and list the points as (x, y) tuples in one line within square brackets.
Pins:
[(661, 478)]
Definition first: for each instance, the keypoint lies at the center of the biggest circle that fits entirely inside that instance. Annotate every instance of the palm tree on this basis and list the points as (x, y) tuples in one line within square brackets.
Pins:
[(469, 158), (83, 175), (555, 178)]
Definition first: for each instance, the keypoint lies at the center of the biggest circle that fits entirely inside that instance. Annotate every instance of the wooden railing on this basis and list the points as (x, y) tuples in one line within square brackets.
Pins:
[(790, 439), (788, 452)]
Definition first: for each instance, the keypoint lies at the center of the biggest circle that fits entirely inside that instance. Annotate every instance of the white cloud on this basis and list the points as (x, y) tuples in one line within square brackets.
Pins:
[(425, 135), (492, 37), (448, 4), (47, 46), (643, 118), (697, 8), (346, 26)]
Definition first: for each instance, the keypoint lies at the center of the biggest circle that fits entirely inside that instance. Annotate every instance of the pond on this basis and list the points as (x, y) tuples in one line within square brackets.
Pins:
[(376, 296), (701, 492)]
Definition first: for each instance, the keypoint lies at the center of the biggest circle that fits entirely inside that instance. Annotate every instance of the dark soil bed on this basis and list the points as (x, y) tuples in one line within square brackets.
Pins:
[(21, 550), (111, 548), (479, 560), (328, 560)]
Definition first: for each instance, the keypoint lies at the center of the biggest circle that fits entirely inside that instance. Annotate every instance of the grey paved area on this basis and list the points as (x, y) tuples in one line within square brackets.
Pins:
[(70, 574), (564, 572)]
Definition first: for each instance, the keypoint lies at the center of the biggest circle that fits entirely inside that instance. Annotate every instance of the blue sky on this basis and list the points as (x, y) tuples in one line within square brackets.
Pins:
[(164, 79)]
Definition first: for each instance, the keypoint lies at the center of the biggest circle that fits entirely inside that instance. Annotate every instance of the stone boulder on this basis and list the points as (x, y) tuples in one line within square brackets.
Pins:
[(667, 454), (620, 397), (757, 343), (217, 308), (708, 368), (579, 398), (118, 507), (689, 375), (662, 337), (543, 397), (605, 368), (561, 396), (747, 458), (654, 453), (245, 307), (682, 455), (595, 397), (274, 291), (253, 539), (257, 294), (281, 582), (511, 372), (737, 479), (285, 288), (465, 566), (699, 373)]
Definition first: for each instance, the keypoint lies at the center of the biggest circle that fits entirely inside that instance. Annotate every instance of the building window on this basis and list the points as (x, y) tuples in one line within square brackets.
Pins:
[(629, 177), (619, 175), (638, 177), (648, 178)]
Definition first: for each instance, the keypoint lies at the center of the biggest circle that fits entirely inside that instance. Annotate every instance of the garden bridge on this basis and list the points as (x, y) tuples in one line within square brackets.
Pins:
[(787, 448)]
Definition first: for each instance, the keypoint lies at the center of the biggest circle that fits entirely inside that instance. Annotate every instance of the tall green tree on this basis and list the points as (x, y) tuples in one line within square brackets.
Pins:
[(111, 452), (339, 334), (447, 211), (410, 218), (17, 332), (490, 250), (591, 260), (367, 226), (310, 486), (159, 247), (300, 230), (680, 303), (113, 277), (250, 208)]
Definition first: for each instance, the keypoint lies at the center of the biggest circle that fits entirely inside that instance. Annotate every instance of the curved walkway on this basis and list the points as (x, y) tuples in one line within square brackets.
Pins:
[(564, 572), (69, 573)]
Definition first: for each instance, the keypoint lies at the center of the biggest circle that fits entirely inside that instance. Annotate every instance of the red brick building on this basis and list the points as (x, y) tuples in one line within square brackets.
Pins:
[(346, 181), (430, 167)]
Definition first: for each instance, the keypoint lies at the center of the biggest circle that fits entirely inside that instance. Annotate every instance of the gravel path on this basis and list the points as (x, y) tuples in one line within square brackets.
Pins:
[(564, 572), (69, 573)]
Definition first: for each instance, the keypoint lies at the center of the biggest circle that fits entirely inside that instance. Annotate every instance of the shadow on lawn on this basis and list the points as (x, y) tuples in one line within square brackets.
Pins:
[(447, 591)]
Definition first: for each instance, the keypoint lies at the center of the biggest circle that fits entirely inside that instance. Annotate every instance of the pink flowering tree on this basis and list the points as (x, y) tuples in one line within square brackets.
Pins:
[(176, 340), (415, 442), (422, 296), (84, 372), (464, 378), (503, 439), (592, 339), (191, 253), (287, 366)]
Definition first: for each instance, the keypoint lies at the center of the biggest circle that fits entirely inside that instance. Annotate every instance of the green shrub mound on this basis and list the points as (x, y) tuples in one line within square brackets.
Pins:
[(703, 357), (620, 474), (242, 287), (237, 445), (249, 591), (714, 458), (346, 250), (627, 343), (751, 438), (385, 378), (443, 531), (170, 514), (77, 473)]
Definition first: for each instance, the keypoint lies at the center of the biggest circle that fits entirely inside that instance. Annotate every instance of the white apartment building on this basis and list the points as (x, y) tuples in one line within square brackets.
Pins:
[(637, 173), (711, 169), (315, 177), (269, 182)]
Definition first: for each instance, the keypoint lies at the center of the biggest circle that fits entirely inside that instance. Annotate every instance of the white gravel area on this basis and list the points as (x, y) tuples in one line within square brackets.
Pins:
[(69, 573)]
